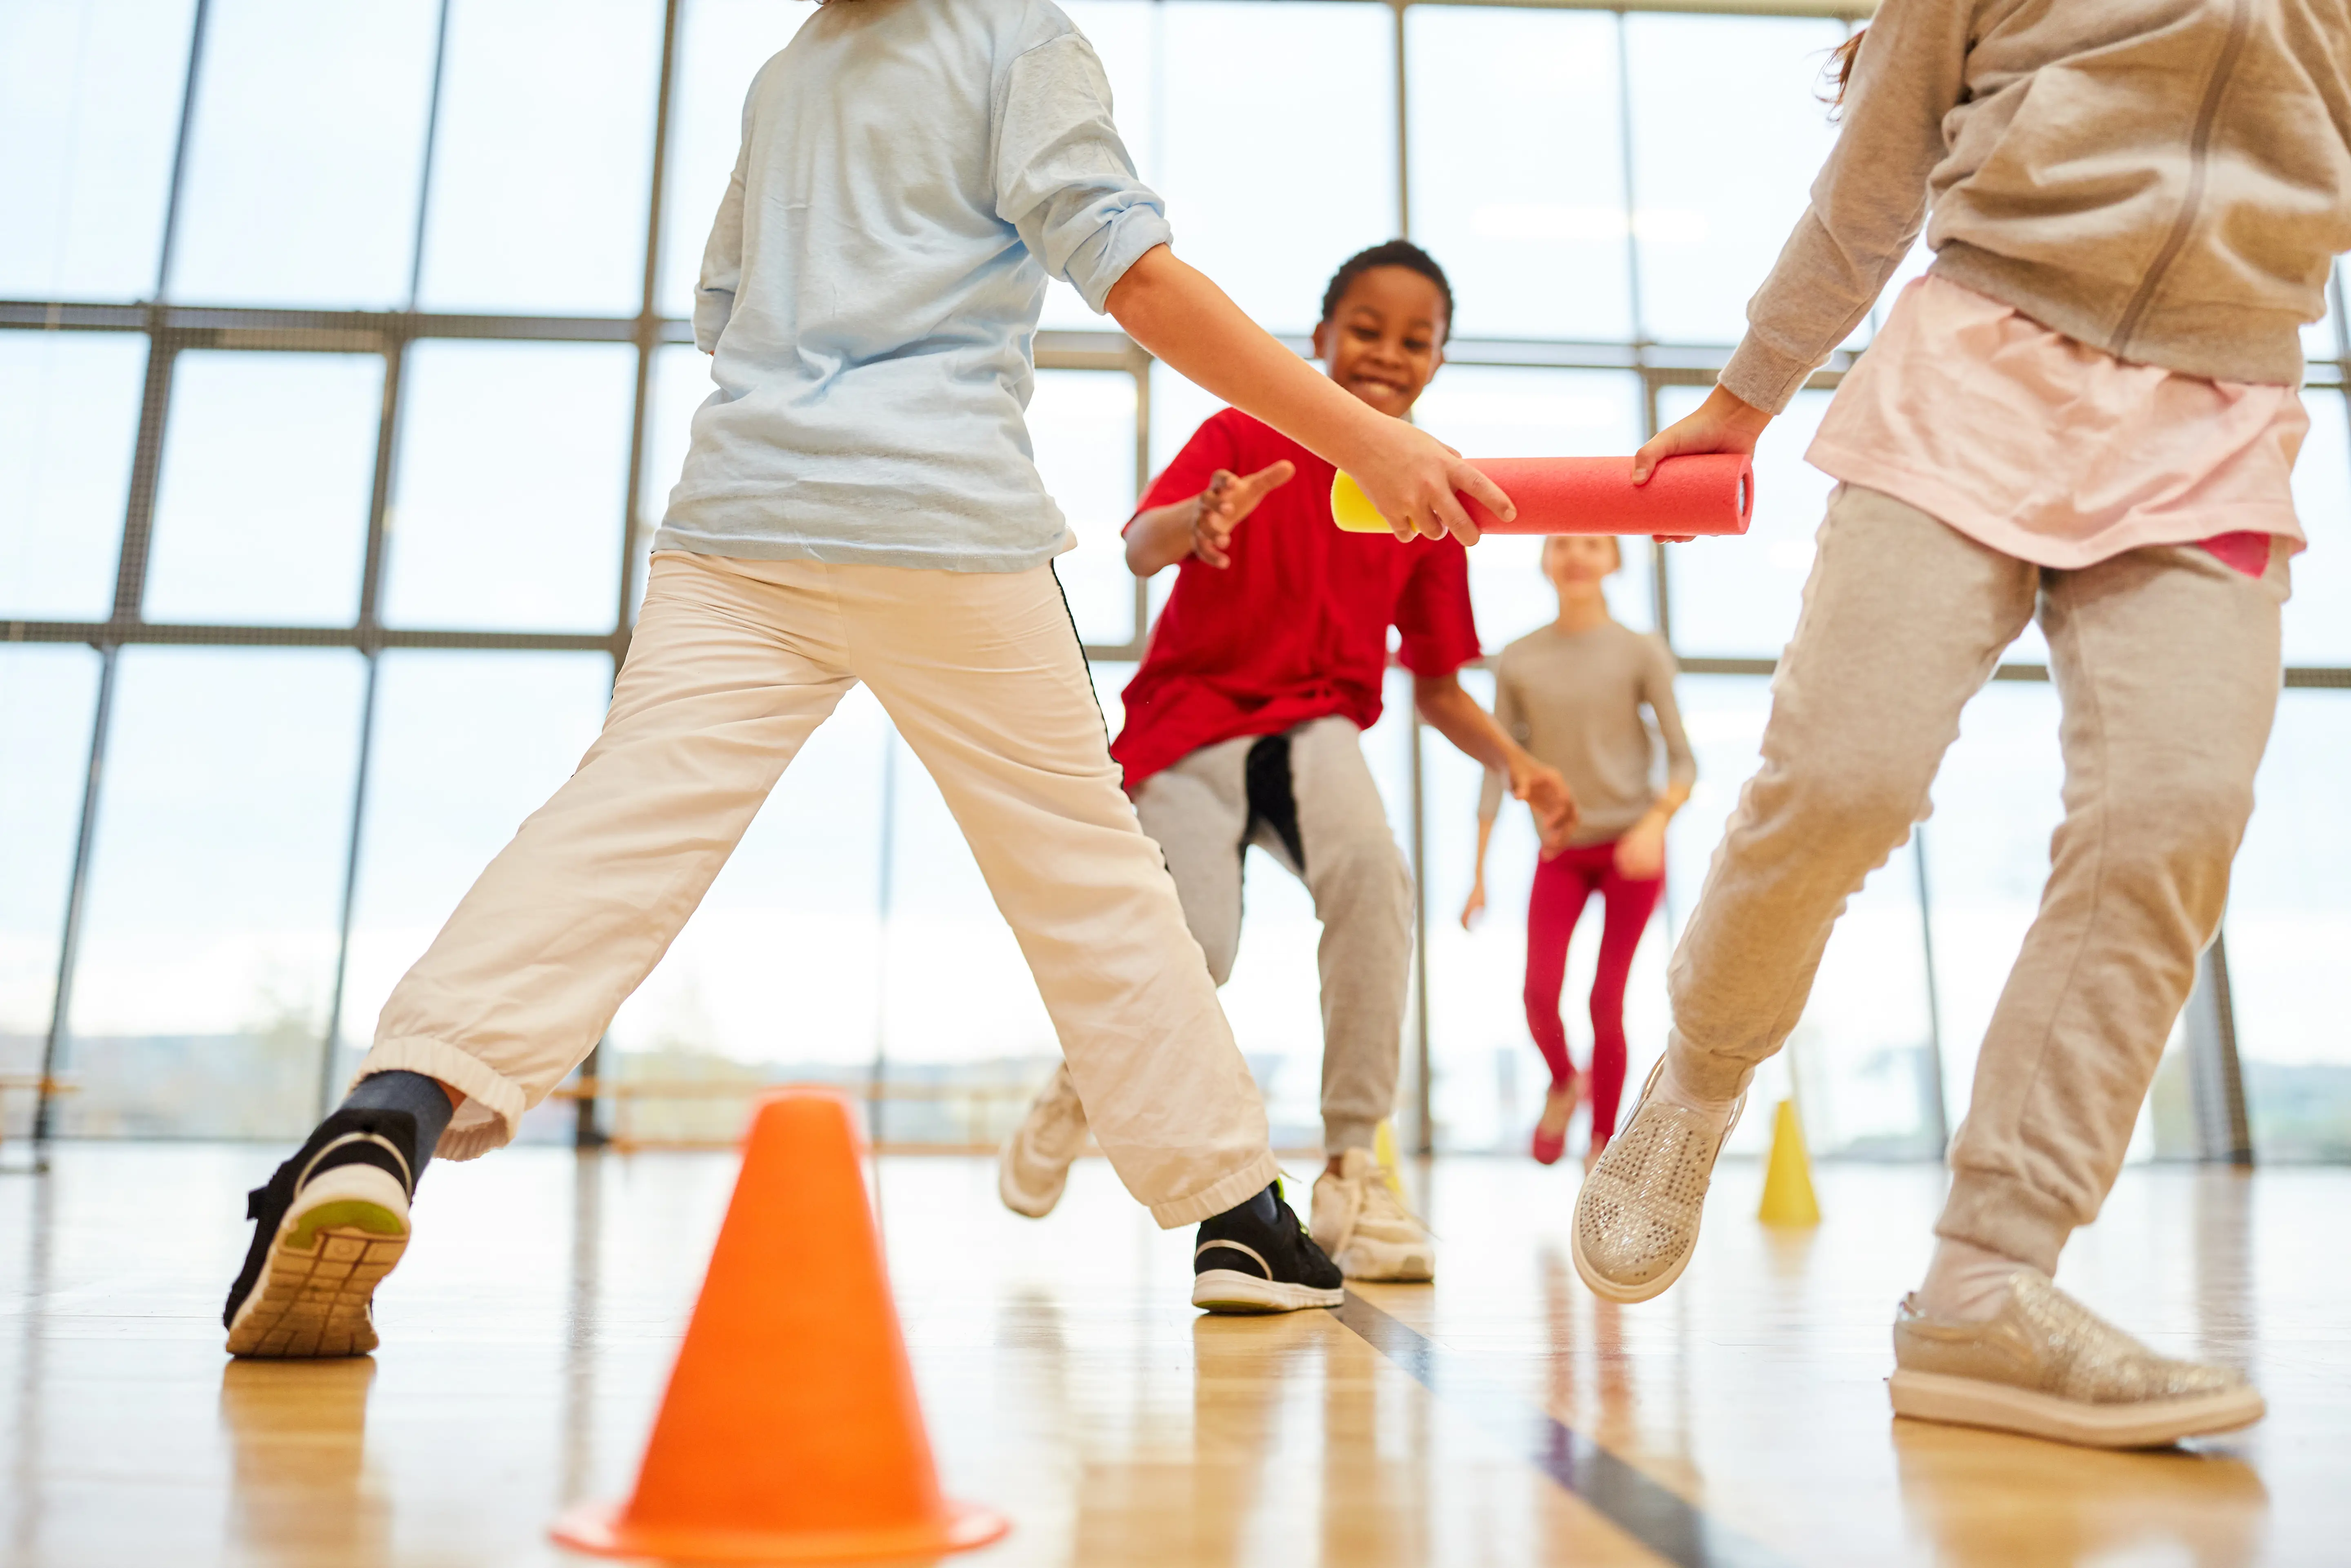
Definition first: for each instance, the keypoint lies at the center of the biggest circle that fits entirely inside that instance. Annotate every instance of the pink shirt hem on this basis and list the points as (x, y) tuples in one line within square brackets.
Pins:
[(1932, 494), (2048, 450)]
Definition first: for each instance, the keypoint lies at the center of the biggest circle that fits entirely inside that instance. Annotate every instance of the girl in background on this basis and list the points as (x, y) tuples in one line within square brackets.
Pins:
[(1572, 693)]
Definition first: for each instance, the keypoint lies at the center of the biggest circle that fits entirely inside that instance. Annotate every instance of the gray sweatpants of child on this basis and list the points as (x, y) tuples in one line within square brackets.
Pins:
[(2167, 664), (1345, 853)]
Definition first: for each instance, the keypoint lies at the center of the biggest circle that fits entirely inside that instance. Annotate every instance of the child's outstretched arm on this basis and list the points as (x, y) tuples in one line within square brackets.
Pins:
[(1866, 207), (1204, 525), (1454, 715), (1177, 313), (1725, 422)]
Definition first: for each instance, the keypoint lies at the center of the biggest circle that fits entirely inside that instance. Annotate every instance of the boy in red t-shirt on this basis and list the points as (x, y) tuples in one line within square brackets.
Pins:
[(1243, 727)]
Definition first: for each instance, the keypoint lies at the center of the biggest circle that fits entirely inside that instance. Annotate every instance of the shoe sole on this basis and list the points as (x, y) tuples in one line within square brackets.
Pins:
[(1607, 1290), (1230, 1290), (1018, 1199), (1414, 1266), (334, 1247), (2147, 1423)]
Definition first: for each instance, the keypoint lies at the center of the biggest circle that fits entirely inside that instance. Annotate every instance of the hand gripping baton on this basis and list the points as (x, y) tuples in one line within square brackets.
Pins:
[(1710, 494)]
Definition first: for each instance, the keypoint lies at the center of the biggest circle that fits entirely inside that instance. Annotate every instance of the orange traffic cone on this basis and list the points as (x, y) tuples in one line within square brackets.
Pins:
[(790, 1431)]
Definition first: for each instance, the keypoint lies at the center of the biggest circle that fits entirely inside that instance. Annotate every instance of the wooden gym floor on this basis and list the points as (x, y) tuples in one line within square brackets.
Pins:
[(1501, 1417)]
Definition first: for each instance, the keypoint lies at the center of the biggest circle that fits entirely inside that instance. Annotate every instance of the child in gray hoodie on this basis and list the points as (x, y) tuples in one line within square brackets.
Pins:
[(2086, 412)]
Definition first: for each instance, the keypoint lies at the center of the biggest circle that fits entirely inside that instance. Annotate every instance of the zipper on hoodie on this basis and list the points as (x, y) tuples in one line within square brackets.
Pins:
[(2199, 151)]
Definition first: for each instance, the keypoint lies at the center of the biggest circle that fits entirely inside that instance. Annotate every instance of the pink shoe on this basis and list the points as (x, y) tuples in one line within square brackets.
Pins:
[(1549, 1146)]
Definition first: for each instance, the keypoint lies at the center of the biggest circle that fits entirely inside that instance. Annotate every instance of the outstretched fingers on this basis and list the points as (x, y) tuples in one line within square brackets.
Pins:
[(1273, 475)]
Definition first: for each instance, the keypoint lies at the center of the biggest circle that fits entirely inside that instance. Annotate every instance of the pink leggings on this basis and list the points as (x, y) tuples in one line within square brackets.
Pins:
[(1562, 888)]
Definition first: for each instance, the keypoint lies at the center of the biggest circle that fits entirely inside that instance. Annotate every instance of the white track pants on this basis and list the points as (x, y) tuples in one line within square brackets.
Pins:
[(734, 664)]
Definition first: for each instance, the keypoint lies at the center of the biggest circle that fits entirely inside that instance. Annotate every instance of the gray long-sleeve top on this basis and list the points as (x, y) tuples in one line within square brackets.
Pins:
[(2166, 179), (1575, 702)]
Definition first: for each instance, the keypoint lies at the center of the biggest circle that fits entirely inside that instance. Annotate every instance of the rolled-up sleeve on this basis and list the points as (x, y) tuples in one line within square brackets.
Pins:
[(1063, 178)]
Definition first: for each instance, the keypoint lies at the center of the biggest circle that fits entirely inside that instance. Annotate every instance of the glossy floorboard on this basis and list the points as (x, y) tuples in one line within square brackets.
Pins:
[(1500, 1417)]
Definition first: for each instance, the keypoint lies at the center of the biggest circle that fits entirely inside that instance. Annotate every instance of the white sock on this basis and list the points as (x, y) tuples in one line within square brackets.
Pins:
[(1964, 1283), (1672, 1090)]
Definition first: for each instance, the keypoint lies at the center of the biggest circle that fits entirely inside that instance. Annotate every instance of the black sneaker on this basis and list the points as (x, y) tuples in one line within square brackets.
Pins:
[(1244, 1265), (328, 1226)]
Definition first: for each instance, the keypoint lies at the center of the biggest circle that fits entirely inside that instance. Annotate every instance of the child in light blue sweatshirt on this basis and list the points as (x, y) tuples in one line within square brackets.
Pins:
[(859, 504)]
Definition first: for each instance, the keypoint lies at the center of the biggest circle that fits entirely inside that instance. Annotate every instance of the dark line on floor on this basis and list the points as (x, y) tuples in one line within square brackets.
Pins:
[(1657, 1517)]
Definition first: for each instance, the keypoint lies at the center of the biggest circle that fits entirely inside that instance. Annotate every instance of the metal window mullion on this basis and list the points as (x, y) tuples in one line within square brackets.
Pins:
[(1403, 132), (369, 642), (2216, 1076), (54, 1049), (1424, 1096), (432, 152), (331, 1039), (1938, 1107), (380, 495), (586, 1127), (1632, 196), (130, 588), (1660, 593), (197, 29), (146, 476), (648, 334)]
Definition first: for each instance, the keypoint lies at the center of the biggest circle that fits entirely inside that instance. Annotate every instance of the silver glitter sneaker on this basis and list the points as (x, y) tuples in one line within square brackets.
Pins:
[(2048, 1367), (1033, 1166), (1636, 1216)]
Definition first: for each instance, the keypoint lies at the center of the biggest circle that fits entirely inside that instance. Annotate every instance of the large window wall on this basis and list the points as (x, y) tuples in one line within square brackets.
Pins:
[(344, 367)]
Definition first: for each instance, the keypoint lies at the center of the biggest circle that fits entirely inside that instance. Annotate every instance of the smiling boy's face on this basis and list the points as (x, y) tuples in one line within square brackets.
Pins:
[(1385, 338)]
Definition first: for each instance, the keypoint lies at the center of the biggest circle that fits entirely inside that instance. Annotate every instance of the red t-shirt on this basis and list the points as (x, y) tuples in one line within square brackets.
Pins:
[(1297, 627)]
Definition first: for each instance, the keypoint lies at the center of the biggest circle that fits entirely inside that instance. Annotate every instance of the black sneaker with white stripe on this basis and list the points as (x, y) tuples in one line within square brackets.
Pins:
[(1244, 1265), (328, 1226)]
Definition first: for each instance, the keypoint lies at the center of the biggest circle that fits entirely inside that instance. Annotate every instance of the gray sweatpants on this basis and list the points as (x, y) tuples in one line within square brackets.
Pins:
[(2166, 662), (1208, 809)]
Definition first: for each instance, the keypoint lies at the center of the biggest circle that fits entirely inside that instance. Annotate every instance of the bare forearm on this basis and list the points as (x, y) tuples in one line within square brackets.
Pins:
[(1485, 837), (1160, 537), (1180, 316), (1671, 799), (1454, 715)]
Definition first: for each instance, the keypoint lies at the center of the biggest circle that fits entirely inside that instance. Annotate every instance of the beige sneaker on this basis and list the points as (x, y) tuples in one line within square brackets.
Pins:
[(2048, 1367), (1366, 1228), (1033, 1166), (1636, 1214)]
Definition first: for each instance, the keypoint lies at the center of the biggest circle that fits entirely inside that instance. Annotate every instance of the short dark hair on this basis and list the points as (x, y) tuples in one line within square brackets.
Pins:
[(1394, 253)]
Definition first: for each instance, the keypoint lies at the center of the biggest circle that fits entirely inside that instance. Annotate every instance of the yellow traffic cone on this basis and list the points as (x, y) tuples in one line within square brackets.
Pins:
[(1383, 1151), (1788, 1179)]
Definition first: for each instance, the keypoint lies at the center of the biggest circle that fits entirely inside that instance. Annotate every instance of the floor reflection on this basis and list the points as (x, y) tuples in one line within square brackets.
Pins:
[(1502, 1416), (1966, 1493), (300, 1492), (1247, 1374)]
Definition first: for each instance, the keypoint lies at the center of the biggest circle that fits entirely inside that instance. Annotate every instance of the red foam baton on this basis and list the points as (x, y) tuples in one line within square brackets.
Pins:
[(1710, 494)]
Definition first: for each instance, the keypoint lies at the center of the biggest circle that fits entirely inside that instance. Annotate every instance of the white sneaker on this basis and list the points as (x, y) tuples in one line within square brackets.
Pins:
[(1033, 1166), (1366, 1228)]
